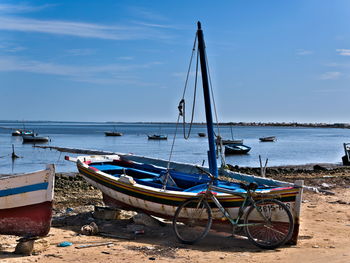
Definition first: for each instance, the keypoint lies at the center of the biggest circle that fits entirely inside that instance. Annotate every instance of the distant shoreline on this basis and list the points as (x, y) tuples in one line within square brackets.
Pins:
[(248, 124)]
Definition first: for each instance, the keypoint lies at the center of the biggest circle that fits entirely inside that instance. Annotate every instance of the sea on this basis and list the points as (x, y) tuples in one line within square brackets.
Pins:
[(294, 145)]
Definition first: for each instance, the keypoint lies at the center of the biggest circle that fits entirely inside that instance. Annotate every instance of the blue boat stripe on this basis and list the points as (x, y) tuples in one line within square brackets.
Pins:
[(24, 189)]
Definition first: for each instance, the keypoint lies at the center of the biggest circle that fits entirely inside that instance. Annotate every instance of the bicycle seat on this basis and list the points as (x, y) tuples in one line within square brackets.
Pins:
[(250, 187)]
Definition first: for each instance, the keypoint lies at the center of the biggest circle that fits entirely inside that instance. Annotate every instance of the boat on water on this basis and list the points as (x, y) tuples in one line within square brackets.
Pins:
[(157, 187), (202, 134), (35, 139), (225, 142), (157, 137), (222, 141), (236, 148), (268, 139), (26, 203), (20, 132), (113, 133)]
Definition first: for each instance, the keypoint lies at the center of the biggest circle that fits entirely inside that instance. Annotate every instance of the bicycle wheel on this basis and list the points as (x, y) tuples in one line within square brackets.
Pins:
[(269, 227), (192, 220)]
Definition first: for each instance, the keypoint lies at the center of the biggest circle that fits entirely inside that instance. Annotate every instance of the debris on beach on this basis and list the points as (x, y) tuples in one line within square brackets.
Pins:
[(89, 230)]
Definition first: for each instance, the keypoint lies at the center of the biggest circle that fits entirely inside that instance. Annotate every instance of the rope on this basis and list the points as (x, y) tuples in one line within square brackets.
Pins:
[(181, 108), (193, 105)]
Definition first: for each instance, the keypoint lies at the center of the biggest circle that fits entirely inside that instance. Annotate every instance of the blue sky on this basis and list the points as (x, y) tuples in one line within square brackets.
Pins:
[(121, 60)]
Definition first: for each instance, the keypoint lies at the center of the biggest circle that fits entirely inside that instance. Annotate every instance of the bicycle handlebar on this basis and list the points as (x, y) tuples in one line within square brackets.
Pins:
[(212, 177)]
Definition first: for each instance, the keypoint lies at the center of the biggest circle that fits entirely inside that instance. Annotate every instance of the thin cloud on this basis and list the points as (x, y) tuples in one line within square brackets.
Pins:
[(343, 52), (104, 74), (81, 29), (81, 52), (8, 8), (303, 52), (331, 75), (126, 58), (11, 48)]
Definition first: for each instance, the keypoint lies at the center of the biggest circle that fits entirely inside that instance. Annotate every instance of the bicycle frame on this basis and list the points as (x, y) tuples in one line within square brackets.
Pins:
[(247, 197)]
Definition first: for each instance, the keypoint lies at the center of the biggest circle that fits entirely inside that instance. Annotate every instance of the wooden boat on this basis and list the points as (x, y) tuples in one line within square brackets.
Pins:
[(26, 203), (268, 139), (157, 187), (236, 148), (202, 134), (157, 137), (113, 133), (35, 139)]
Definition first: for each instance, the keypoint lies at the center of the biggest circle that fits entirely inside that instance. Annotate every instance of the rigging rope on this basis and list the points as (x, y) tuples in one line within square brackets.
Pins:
[(182, 112)]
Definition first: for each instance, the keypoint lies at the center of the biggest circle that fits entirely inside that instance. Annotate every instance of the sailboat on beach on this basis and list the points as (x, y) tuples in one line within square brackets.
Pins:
[(157, 187)]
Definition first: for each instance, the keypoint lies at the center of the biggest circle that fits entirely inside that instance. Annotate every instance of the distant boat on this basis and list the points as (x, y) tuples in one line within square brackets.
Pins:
[(202, 134), (113, 133), (20, 132), (157, 137), (225, 142), (268, 139), (35, 139), (26, 203), (232, 141), (236, 149)]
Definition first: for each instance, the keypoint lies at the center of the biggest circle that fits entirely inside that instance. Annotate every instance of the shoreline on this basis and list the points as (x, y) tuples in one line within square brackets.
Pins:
[(340, 125)]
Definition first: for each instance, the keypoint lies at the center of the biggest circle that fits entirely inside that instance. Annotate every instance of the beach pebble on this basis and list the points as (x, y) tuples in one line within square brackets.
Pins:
[(25, 247)]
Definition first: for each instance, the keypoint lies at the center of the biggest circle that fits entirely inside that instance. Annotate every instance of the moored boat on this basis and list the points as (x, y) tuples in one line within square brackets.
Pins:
[(35, 139), (236, 148), (20, 132), (268, 139), (233, 141), (26, 203), (113, 133), (157, 137), (202, 134)]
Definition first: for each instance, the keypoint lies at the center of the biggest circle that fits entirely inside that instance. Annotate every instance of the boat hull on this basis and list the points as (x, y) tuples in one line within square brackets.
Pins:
[(26, 203), (236, 149), (113, 134), (35, 139), (30, 220), (267, 139)]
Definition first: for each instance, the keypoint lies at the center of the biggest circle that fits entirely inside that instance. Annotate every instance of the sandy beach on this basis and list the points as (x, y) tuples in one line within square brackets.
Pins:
[(323, 237)]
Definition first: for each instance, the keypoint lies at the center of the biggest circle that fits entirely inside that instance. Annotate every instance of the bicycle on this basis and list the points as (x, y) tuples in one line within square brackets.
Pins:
[(268, 223)]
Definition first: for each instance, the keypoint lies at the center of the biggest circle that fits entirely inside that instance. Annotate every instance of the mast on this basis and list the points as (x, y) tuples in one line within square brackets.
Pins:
[(213, 167)]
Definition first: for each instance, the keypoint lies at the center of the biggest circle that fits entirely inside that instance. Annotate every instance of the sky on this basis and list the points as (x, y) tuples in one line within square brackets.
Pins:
[(126, 61)]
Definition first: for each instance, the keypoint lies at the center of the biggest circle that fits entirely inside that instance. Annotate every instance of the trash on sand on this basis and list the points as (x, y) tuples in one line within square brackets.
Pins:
[(94, 245), (116, 236), (65, 244)]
